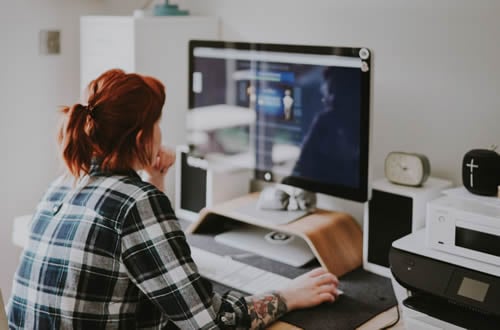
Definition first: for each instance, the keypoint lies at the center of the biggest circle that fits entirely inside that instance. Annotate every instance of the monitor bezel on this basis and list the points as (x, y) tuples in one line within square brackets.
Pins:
[(360, 193)]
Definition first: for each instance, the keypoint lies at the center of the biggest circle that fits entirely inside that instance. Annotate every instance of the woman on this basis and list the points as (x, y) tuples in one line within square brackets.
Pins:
[(106, 250)]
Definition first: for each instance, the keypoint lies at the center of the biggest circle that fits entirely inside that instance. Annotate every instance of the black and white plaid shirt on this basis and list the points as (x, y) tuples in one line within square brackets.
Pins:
[(109, 253)]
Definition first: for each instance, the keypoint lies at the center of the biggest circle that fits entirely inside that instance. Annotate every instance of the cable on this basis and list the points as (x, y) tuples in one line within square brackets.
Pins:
[(408, 294), (388, 326)]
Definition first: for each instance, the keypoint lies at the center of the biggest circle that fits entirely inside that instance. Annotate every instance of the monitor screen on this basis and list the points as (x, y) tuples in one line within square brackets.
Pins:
[(295, 114)]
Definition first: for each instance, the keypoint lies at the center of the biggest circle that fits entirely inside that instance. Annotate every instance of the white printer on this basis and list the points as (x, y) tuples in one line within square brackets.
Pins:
[(465, 224), (447, 291)]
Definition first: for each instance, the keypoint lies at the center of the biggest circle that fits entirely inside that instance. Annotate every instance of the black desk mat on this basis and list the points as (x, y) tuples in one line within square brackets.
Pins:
[(365, 294)]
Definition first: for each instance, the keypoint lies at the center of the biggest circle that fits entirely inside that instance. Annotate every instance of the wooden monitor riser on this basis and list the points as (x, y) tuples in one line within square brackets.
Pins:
[(335, 238)]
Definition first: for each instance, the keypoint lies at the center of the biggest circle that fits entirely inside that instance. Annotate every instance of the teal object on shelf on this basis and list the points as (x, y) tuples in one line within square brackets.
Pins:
[(167, 9)]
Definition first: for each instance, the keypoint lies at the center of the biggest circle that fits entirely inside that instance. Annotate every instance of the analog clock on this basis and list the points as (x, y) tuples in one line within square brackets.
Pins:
[(409, 169)]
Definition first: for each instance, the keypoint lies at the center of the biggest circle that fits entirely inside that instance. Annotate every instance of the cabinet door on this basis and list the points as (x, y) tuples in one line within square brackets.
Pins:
[(105, 43)]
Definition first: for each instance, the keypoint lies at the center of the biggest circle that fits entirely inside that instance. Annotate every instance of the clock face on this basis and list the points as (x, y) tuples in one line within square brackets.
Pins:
[(406, 168)]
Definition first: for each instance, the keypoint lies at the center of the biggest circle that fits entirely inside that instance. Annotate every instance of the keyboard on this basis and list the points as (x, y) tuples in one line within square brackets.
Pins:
[(235, 274)]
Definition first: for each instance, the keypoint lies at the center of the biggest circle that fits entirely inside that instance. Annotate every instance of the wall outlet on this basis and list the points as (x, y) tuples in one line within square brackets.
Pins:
[(50, 42)]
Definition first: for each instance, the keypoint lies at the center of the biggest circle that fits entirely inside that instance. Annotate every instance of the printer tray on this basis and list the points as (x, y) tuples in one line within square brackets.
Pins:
[(450, 312)]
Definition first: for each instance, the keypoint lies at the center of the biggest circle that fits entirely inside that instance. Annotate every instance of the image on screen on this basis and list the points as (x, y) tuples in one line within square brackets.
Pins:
[(296, 114)]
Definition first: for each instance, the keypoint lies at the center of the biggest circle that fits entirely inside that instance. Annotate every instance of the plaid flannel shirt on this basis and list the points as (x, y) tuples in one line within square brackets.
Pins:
[(110, 253)]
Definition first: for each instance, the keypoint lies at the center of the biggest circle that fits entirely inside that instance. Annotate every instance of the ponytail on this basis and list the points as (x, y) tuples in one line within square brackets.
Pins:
[(76, 144)]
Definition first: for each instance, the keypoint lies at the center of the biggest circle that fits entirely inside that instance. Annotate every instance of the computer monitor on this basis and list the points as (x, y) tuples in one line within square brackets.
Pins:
[(296, 114)]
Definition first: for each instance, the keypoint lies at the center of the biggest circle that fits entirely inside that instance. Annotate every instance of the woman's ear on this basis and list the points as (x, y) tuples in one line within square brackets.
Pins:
[(138, 139), (141, 144)]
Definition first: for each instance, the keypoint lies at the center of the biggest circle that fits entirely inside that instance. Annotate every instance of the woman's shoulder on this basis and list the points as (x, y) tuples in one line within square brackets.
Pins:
[(142, 194), (134, 186), (122, 191)]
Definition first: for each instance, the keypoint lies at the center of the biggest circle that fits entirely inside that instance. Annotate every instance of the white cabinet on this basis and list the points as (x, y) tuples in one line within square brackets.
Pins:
[(156, 46)]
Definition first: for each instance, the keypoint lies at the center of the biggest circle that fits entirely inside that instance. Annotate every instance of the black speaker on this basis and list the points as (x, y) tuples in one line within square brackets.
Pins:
[(481, 172), (391, 217), (201, 183), (394, 211), (192, 184)]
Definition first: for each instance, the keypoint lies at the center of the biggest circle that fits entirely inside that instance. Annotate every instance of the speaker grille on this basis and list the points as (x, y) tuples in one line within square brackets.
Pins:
[(390, 218), (193, 186)]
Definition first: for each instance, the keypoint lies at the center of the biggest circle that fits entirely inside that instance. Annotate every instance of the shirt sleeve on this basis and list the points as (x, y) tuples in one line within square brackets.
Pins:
[(158, 260)]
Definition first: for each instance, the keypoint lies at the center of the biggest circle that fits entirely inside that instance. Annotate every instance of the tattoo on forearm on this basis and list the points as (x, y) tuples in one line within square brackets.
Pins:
[(265, 309)]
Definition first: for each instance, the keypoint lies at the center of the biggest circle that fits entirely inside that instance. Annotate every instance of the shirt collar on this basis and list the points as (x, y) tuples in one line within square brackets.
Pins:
[(97, 170)]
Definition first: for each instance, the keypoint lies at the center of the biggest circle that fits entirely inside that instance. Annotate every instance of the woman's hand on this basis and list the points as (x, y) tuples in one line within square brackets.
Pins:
[(155, 173), (311, 289)]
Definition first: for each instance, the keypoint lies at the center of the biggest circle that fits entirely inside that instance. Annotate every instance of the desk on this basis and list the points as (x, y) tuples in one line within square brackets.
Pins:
[(376, 322)]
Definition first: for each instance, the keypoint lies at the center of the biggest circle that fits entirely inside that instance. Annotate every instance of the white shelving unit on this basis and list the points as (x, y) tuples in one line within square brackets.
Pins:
[(156, 46)]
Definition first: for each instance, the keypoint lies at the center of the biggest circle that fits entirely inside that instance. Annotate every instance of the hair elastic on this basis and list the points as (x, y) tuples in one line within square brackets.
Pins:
[(90, 110)]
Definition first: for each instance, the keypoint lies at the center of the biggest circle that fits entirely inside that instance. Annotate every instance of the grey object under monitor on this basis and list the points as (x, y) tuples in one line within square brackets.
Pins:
[(285, 248), (272, 217)]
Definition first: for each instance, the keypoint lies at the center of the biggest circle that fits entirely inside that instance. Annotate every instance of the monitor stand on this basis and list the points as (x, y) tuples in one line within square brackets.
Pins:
[(335, 238), (282, 247)]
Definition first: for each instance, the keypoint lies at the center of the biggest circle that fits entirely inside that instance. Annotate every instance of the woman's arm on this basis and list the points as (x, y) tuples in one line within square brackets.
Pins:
[(158, 260), (265, 308)]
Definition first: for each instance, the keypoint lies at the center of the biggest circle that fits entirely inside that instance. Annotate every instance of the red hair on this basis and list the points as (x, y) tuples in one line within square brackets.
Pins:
[(116, 126)]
